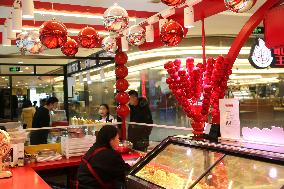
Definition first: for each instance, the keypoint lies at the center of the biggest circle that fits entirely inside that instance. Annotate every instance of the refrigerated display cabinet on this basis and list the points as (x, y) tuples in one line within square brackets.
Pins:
[(182, 162)]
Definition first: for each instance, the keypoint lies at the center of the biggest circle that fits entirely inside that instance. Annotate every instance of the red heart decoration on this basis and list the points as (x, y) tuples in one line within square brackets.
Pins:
[(188, 85)]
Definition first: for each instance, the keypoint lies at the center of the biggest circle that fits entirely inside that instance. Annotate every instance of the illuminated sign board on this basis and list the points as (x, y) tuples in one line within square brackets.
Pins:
[(262, 57)]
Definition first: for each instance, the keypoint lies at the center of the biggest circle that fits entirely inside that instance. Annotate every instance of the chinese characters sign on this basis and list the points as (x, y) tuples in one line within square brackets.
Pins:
[(263, 57)]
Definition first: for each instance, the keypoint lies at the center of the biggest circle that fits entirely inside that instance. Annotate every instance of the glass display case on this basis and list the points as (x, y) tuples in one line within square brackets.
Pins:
[(182, 163)]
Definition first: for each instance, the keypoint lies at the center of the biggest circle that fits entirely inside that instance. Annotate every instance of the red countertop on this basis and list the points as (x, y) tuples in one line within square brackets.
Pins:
[(27, 178), (24, 177)]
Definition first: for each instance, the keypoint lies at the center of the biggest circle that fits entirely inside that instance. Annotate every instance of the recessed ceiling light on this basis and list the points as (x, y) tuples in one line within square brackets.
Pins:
[(3, 77), (6, 79), (40, 84), (27, 68), (26, 83), (16, 85), (20, 62), (18, 82), (21, 71), (32, 72)]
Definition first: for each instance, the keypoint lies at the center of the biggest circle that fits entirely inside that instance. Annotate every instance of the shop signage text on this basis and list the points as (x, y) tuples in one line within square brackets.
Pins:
[(263, 57), (14, 69)]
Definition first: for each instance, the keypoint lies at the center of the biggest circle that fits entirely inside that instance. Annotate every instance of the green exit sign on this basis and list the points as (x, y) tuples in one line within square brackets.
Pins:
[(258, 30), (14, 69)]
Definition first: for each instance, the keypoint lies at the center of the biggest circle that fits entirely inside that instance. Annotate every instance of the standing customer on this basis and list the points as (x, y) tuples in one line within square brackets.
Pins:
[(105, 116), (139, 113), (28, 113), (102, 167), (42, 119)]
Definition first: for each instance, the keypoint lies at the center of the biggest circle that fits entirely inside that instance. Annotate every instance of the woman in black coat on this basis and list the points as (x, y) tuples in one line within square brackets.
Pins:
[(102, 167)]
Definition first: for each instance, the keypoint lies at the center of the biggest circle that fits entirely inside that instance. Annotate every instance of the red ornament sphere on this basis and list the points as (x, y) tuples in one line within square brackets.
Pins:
[(70, 48), (122, 85), (121, 71), (173, 2), (122, 98), (122, 111), (121, 58), (53, 34), (171, 33), (88, 38)]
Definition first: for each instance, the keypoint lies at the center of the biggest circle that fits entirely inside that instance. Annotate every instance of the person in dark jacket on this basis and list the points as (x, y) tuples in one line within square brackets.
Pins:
[(140, 113), (102, 167), (42, 119)]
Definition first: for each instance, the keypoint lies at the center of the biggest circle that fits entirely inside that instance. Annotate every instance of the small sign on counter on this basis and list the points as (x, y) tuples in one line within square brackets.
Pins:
[(229, 119)]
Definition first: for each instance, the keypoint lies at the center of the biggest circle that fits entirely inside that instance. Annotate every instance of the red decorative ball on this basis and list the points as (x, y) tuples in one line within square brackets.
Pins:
[(122, 111), (122, 85), (88, 38), (122, 98), (70, 48), (121, 71), (173, 2), (171, 33), (53, 34), (120, 58)]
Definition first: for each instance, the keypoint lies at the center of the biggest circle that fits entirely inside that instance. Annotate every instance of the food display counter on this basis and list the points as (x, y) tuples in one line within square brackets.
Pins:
[(182, 162)]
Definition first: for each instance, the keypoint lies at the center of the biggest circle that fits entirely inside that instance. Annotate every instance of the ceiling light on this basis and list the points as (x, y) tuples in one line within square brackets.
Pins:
[(18, 82), (245, 76), (26, 83), (5, 40), (161, 23), (21, 71), (78, 15), (124, 44), (149, 33), (10, 34), (27, 68), (28, 8), (3, 77), (40, 84), (20, 62), (16, 85), (188, 17), (17, 18), (6, 79)]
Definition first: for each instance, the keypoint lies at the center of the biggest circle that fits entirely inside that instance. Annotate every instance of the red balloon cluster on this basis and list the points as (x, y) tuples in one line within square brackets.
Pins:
[(122, 84), (53, 34), (88, 38), (173, 2), (171, 33), (70, 48), (188, 85)]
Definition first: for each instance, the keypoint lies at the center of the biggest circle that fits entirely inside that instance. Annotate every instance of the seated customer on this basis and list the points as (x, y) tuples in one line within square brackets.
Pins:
[(102, 167)]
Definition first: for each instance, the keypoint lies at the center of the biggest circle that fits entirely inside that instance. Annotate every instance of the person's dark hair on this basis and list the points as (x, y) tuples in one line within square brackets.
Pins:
[(105, 135), (27, 104), (51, 100), (106, 106), (133, 93), (43, 101)]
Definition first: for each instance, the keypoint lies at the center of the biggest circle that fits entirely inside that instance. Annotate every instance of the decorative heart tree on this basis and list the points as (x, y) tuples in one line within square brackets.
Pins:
[(197, 88)]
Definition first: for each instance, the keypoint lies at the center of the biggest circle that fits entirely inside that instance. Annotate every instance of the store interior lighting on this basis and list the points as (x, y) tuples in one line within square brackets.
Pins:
[(10, 34), (28, 8), (78, 15), (17, 17), (188, 17)]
